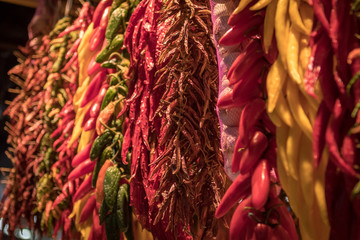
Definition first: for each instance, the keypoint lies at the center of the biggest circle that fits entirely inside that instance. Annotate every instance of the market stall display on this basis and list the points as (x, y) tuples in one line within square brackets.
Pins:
[(188, 119)]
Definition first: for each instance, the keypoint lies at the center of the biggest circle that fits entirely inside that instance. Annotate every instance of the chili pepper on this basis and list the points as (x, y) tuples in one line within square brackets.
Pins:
[(83, 168), (93, 88), (114, 45), (263, 231), (111, 227), (319, 129), (90, 124), (96, 225), (70, 62), (242, 5), (110, 95), (111, 185), (249, 117), (252, 154), (87, 209), (260, 184), (93, 67), (240, 222), (286, 220), (58, 200), (240, 32), (100, 11), (237, 155), (280, 233), (95, 109), (105, 155), (83, 189), (116, 20), (100, 143), (82, 155), (105, 117), (123, 210), (99, 189), (237, 190)]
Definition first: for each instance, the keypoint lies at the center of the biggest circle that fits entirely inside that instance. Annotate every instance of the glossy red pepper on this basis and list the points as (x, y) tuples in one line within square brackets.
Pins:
[(240, 222), (237, 190), (94, 87), (260, 184), (99, 12), (82, 155), (88, 209), (84, 188), (252, 154)]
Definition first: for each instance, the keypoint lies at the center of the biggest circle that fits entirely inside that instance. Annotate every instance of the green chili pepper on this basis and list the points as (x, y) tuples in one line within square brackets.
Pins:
[(114, 81), (114, 45), (109, 64), (103, 211), (111, 185), (61, 55), (109, 96), (100, 143), (123, 210), (111, 227), (123, 89)]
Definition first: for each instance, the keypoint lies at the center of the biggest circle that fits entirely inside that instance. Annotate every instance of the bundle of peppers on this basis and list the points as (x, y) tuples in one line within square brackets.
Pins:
[(309, 86), (115, 127)]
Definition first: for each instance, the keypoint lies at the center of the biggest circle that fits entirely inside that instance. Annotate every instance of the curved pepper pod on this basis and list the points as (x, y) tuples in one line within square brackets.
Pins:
[(88, 208), (252, 154), (94, 87), (240, 32), (240, 222), (249, 117), (100, 11), (286, 221), (260, 184), (83, 168), (84, 188), (237, 190), (82, 155), (238, 152)]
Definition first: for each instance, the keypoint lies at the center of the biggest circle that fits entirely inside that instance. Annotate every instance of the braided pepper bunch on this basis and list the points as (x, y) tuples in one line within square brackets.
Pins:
[(27, 130)]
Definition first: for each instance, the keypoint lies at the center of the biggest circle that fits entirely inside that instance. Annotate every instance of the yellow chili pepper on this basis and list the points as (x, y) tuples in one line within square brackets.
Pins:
[(295, 17), (306, 170), (282, 25), (292, 92), (274, 83), (260, 4), (293, 54), (241, 6), (292, 151), (269, 25), (283, 109)]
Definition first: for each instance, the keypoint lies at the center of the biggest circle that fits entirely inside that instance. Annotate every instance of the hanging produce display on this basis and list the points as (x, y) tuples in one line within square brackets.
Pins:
[(132, 118)]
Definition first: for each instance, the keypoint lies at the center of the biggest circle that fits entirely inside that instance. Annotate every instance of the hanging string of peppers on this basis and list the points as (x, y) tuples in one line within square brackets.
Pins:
[(114, 132)]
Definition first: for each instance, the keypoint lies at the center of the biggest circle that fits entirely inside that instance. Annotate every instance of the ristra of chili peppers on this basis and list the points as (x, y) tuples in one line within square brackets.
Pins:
[(26, 135), (254, 146), (172, 103), (337, 71)]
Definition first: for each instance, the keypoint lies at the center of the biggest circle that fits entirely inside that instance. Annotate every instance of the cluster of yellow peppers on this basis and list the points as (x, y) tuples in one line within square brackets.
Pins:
[(293, 112)]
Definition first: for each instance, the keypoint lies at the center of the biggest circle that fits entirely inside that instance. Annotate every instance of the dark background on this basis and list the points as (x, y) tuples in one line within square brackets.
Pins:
[(13, 26), (13, 32)]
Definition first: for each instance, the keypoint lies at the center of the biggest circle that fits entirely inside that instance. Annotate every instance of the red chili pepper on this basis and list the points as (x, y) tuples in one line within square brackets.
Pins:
[(249, 50), (82, 155), (237, 155), (94, 87), (240, 222), (241, 17), (83, 189), (226, 101), (260, 184), (58, 200), (70, 62), (286, 220), (93, 67), (88, 209), (249, 71), (237, 190), (73, 48), (99, 11), (240, 32), (252, 154), (263, 231), (69, 30), (95, 109), (331, 140), (90, 124), (320, 14), (249, 117), (97, 39), (96, 224), (83, 168), (319, 129)]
